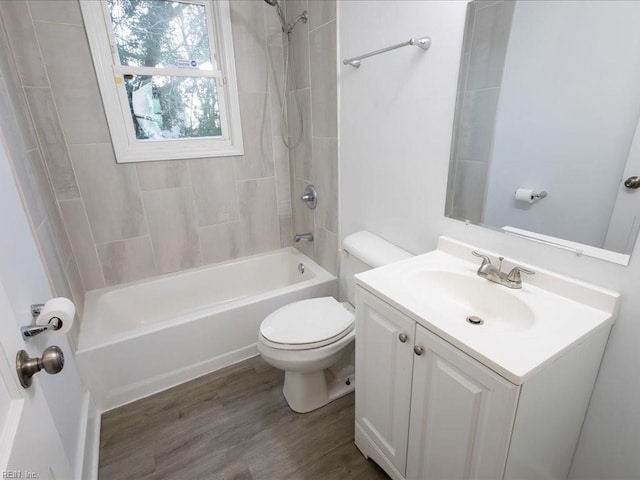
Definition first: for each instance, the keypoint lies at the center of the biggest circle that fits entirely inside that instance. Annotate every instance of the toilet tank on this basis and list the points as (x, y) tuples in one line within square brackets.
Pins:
[(363, 251)]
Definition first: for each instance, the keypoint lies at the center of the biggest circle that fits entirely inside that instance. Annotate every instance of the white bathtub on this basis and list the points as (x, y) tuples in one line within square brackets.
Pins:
[(143, 337)]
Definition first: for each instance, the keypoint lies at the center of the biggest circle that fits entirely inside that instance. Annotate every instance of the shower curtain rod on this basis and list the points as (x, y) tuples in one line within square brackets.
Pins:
[(424, 43)]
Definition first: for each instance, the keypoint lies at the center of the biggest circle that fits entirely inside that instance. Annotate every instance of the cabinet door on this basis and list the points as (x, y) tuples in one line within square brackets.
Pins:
[(461, 415), (384, 357)]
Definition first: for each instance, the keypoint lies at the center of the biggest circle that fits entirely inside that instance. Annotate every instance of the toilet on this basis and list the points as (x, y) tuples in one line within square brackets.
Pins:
[(313, 340)]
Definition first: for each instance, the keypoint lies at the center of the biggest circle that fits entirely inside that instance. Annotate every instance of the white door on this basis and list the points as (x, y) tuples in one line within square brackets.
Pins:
[(30, 446), (461, 414), (625, 217), (384, 342)]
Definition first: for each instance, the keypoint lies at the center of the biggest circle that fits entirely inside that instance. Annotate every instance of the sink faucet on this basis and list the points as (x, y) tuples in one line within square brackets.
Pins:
[(495, 274)]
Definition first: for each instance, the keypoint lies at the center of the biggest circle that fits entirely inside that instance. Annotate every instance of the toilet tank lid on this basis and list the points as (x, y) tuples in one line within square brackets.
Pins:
[(373, 250)]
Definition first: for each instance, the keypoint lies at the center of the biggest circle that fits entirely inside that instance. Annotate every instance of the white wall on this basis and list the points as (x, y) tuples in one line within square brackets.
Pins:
[(395, 133), (583, 60)]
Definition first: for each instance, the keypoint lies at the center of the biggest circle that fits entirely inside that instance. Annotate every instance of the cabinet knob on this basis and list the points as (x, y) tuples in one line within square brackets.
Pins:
[(418, 350), (403, 337)]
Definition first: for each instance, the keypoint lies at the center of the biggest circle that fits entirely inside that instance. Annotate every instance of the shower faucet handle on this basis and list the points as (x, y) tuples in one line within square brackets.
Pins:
[(310, 197)]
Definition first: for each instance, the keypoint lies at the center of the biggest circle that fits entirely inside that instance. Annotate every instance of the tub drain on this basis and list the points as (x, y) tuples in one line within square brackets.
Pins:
[(473, 320)]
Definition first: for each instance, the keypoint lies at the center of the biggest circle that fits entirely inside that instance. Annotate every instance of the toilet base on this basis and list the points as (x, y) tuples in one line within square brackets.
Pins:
[(305, 392)]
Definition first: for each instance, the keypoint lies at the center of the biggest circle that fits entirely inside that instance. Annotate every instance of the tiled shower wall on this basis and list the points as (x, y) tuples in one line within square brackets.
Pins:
[(25, 150), (100, 223), (315, 160), (130, 221)]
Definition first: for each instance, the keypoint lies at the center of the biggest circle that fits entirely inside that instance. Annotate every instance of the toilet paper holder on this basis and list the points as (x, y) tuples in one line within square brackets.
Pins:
[(539, 195), (32, 330)]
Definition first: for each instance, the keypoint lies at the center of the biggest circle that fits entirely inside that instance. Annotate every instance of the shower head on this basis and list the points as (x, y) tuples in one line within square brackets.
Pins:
[(286, 27)]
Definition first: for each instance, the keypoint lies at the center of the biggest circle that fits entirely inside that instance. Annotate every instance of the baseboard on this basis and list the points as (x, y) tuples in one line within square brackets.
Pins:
[(86, 466)]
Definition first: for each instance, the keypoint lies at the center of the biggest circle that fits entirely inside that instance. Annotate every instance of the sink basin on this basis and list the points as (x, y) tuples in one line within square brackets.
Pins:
[(461, 296)]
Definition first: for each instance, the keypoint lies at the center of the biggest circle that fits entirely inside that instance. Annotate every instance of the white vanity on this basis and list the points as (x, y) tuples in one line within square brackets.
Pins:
[(458, 377)]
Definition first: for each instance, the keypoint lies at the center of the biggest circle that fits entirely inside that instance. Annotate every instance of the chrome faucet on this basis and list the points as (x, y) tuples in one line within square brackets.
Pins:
[(303, 237), (495, 274)]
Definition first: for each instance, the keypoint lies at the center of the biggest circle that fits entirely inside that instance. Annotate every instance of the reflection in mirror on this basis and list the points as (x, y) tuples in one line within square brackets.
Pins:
[(549, 100)]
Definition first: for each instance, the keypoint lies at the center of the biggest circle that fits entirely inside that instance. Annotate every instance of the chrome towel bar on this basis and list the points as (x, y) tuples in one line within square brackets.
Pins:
[(424, 43)]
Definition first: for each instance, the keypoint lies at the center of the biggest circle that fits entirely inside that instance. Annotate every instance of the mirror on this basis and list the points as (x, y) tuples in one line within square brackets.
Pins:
[(548, 102)]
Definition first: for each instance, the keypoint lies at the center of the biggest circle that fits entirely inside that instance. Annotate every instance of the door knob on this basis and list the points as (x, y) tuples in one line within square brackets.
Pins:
[(632, 182), (52, 361), (418, 350), (403, 337)]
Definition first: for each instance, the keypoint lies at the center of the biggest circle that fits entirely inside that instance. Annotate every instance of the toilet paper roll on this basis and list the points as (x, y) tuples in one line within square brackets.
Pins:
[(525, 195), (61, 308)]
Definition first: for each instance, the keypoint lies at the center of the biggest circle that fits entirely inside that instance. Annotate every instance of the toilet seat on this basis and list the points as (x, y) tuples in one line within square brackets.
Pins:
[(307, 324)]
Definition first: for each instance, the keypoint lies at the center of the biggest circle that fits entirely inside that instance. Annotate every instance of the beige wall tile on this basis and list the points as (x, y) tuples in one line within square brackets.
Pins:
[(273, 27), (490, 37), (52, 261), (220, 242), (321, 12), (283, 179), (214, 190), (16, 143), (165, 174), (251, 67), (258, 215), (173, 227), (127, 260), (470, 187), (76, 221), (299, 44), (77, 297), (286, 230), (247, 22), (327, 250), (110, 193), (60, 11), (475, 132), (47, 124), (257, 160), (324, 78), (75, 285), (325, 178), (275, 67), (31, 179), (302, 153), (57, 226), (65, 49), (17, 21)]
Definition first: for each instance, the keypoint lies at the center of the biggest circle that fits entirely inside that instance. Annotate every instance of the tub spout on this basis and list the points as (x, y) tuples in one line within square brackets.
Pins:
[(303, 237)]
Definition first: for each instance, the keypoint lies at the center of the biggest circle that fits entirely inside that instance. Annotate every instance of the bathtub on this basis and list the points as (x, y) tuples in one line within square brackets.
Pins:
[(140, 338)]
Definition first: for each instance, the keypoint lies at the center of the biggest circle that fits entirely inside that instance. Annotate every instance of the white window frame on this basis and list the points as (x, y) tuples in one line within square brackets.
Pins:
[(110, 75)]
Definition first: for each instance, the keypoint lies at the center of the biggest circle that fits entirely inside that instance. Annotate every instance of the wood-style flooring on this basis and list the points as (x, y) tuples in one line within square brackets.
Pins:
[(231, 424)]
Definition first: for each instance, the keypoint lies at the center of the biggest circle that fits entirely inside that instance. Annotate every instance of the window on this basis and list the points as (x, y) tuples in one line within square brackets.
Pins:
[(167, 77)]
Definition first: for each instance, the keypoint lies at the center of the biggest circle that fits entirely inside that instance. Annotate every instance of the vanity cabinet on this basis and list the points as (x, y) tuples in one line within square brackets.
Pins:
[(427, 410), (431, 410)]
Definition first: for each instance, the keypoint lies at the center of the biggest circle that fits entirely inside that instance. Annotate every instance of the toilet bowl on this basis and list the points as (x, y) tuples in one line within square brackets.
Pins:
[(305, 339)]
